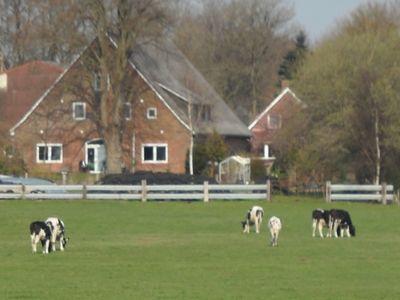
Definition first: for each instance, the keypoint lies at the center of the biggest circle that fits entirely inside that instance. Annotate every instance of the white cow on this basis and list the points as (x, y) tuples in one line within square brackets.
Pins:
[(253, 217), (57, 232), (275, 226)]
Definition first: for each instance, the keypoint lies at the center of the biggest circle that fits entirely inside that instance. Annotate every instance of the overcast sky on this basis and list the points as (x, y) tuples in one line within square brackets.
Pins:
[(318, 17)]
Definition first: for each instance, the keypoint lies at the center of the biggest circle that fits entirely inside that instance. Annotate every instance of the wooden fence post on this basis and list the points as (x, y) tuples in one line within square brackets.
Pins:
[(84, 191), (268, 187), (328, 192), (23, 191), (144, 191), (205, 191), (384, 193)]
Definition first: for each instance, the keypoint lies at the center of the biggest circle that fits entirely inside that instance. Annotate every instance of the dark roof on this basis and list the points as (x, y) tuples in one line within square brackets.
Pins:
[(25, 84), (177, 81)]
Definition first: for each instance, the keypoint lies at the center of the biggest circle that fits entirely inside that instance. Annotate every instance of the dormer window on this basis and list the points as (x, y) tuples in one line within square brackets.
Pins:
[(152, 113), (202, 112), (79, 111)]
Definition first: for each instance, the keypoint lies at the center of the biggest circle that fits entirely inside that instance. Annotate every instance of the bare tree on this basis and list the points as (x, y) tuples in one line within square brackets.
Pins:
[(120, 25), (238, 45)]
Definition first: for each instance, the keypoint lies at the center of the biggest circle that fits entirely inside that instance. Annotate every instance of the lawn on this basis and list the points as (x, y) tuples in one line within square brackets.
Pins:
[(179, 250)]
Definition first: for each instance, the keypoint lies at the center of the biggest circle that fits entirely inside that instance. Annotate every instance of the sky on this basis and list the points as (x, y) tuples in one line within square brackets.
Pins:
[(318, 17)]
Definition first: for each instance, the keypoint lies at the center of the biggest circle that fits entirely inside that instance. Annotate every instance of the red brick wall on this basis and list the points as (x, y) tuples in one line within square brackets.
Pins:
[(261, 134), (52, 122)]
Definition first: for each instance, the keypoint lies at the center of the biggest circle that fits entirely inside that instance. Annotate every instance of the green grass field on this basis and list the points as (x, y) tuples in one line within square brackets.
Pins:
[(176, 250)]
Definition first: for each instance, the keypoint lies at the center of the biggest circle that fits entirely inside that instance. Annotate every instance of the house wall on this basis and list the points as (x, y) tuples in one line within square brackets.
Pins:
[(52, 122), (261, 134)]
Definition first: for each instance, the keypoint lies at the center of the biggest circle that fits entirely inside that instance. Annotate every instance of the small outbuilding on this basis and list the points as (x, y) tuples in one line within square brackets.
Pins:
[(234, 169)]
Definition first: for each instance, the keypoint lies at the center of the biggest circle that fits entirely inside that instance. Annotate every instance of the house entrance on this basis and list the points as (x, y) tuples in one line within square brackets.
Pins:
[(95, 156)]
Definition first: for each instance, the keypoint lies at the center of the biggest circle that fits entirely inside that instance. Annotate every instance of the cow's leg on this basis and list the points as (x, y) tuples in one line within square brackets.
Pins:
[(257, 226), (276, 238), (330, 227), (62, 243), (320, 227), (46, 246), (53, 239), (348, 232), (314, 227), (34, 243), (335, 226)]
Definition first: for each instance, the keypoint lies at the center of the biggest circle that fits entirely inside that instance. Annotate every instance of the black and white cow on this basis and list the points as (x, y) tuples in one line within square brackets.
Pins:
[(253, 217), (320, 219), (40, 231), (275, 226), (340, 223), (57, 232)]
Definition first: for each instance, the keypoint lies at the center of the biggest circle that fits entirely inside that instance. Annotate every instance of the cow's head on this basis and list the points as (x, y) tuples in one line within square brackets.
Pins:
[(65, 241), (352, 230)]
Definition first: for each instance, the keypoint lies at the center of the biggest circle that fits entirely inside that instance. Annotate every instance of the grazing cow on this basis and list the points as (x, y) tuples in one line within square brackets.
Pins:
[(57, 232), (320, 219), (275, 226), (340, 223), (40, 231), (253, 217)]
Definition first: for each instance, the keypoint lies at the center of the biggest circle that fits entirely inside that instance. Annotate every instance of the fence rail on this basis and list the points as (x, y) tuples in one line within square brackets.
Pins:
[(343, 192), (143, 192)]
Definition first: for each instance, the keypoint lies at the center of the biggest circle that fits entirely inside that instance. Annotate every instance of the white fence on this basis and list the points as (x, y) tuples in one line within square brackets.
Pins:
[(343, 192), (143, 192)]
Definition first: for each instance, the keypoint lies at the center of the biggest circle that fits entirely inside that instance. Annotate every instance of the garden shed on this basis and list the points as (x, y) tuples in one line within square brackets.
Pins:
[(234, 169)]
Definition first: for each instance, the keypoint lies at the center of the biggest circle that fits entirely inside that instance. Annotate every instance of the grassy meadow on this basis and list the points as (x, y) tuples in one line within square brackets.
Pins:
[(180, 250)]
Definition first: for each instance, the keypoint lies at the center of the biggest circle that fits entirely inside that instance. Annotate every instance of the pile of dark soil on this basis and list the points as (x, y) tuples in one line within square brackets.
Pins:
[(153, 178)]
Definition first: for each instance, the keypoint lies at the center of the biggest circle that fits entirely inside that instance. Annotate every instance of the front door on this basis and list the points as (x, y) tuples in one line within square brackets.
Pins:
[(95, 156)]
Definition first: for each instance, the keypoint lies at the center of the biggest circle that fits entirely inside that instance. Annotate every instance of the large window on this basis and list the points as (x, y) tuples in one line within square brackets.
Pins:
[(49, 153), (154, 153), (79, 110)]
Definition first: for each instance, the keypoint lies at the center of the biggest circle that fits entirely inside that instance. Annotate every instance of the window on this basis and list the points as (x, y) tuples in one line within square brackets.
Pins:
[(79, 110), (48, 153), (127, 111), (274, 121), (97, 82), (154, 153), (206, 113), (152, 113), (202, 112)]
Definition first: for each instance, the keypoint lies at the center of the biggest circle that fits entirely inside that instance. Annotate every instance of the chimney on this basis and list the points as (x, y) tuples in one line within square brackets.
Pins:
[(3, 76), (284, 84), (2, 67)]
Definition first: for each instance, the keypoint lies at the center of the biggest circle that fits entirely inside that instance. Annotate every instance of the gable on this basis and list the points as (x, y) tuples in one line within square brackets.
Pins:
[(278, 104), (22, 86)]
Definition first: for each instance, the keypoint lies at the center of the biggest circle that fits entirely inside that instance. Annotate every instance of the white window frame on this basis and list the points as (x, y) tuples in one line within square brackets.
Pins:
[(279, 120), (127, 111), (74, 106), (154, 160), (266, 151), (49, 153), (152, 113)]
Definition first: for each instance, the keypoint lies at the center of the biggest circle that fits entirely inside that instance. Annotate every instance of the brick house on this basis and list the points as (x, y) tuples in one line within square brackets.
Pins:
[(268, 122), (172, 104)]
